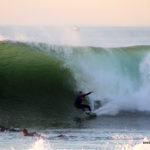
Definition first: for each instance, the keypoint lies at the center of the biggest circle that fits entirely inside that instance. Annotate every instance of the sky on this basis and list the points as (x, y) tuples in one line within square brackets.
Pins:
[(75, 12)]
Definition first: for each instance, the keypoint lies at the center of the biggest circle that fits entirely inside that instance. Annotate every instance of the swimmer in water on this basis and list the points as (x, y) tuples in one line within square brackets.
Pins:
[(32, 134)]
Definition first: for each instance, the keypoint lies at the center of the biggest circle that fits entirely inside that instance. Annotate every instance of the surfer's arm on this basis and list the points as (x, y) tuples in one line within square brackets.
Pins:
[(87, 94)]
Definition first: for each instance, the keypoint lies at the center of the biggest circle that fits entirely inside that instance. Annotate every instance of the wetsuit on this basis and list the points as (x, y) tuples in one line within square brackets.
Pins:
[(78, 102)]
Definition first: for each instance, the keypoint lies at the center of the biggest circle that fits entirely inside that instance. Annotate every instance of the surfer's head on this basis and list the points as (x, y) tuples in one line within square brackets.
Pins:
[(24, 132), (80, 93)]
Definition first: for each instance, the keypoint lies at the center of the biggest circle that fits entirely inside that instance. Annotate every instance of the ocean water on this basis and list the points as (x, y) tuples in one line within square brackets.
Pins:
[(41, 70)]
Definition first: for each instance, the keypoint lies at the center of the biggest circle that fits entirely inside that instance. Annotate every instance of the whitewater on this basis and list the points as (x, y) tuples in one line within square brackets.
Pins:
[(43, 68)]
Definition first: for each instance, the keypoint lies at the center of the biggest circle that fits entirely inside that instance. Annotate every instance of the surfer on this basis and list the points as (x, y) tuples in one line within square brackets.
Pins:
[(32, 134), (3, 129), (78, 101)]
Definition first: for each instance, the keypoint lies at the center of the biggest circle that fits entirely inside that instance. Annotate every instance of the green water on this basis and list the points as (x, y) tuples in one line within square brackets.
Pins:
[(32, 84)]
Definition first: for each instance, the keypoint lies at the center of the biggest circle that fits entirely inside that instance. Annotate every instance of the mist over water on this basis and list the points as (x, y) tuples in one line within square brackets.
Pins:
[(84, 36), (117, 76)]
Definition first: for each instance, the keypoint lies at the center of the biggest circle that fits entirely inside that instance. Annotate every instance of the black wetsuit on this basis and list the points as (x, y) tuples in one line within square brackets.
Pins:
[(78, 102)]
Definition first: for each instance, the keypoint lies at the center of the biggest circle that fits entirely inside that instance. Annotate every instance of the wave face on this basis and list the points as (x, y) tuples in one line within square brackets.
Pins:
[(31, 83), (39, 81)]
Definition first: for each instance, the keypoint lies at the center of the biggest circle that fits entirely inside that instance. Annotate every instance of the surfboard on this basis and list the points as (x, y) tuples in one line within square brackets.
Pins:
[(90, 114)]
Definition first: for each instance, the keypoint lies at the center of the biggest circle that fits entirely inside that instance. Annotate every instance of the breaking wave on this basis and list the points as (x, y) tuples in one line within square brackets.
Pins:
[(42, 80)]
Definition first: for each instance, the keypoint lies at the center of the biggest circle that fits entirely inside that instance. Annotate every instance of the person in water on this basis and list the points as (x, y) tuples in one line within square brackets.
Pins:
[(3, 129), (78, 101), (32, 134)]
